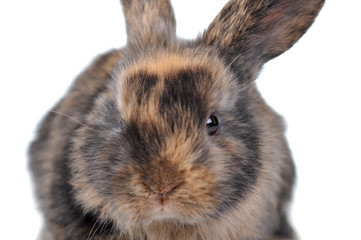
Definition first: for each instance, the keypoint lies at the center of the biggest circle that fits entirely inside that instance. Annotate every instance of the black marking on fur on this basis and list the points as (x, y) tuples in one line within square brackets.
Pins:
[(244, 168), (76, 222), (69, 215), (182, 95), (144, 82), (144, 141)]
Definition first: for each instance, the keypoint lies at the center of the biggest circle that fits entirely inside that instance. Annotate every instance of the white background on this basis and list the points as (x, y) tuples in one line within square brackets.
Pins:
[(44, 44)]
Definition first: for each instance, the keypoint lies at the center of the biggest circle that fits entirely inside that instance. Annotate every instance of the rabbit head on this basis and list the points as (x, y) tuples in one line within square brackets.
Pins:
[(176, 142)]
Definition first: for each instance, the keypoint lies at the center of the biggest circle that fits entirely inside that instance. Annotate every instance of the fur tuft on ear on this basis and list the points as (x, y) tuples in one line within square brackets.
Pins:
[(149, 23), (251, 32)]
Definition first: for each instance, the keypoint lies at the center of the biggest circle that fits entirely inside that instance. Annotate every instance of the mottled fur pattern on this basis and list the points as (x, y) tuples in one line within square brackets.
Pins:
[(126, 154)]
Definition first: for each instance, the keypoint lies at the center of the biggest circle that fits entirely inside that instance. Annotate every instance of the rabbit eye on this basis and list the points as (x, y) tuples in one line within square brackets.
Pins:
[(212, 125)]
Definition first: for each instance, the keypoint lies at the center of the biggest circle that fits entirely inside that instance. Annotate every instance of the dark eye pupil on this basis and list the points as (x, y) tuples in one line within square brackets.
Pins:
[(212, 125)]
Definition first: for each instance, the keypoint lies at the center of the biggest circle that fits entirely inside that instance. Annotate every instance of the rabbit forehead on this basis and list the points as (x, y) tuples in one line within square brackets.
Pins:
[(165, 76)]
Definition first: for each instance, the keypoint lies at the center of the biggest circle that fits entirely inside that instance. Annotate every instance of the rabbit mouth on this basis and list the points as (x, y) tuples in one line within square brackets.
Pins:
[(161, 206), (163, 210), (169, 212), (174, 205)]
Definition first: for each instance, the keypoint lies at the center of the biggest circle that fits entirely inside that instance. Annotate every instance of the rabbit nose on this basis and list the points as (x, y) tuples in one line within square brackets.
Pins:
[(164, 193), (162, 178)]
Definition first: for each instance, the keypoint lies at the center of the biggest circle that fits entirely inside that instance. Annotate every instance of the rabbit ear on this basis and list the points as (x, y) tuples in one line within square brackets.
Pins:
[(251, 32), (149, 23)]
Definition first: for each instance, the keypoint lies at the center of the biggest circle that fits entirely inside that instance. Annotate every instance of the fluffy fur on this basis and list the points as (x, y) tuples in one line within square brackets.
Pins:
[(126, 153)]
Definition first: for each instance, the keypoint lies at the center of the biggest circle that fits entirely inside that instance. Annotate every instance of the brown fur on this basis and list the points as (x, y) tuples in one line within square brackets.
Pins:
[(127, 153), (259, 29), (149, 22)]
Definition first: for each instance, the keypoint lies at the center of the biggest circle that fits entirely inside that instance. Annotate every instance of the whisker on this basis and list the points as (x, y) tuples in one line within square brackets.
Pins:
[(91, 230), (273, 135), (95, 231), (109, 234), (75, 120), (103, 226)]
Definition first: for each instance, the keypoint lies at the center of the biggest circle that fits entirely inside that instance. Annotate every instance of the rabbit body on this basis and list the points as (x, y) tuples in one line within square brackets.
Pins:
[(168, 139)]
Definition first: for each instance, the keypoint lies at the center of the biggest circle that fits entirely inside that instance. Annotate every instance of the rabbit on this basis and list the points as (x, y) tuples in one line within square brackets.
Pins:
[(169, 139)]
